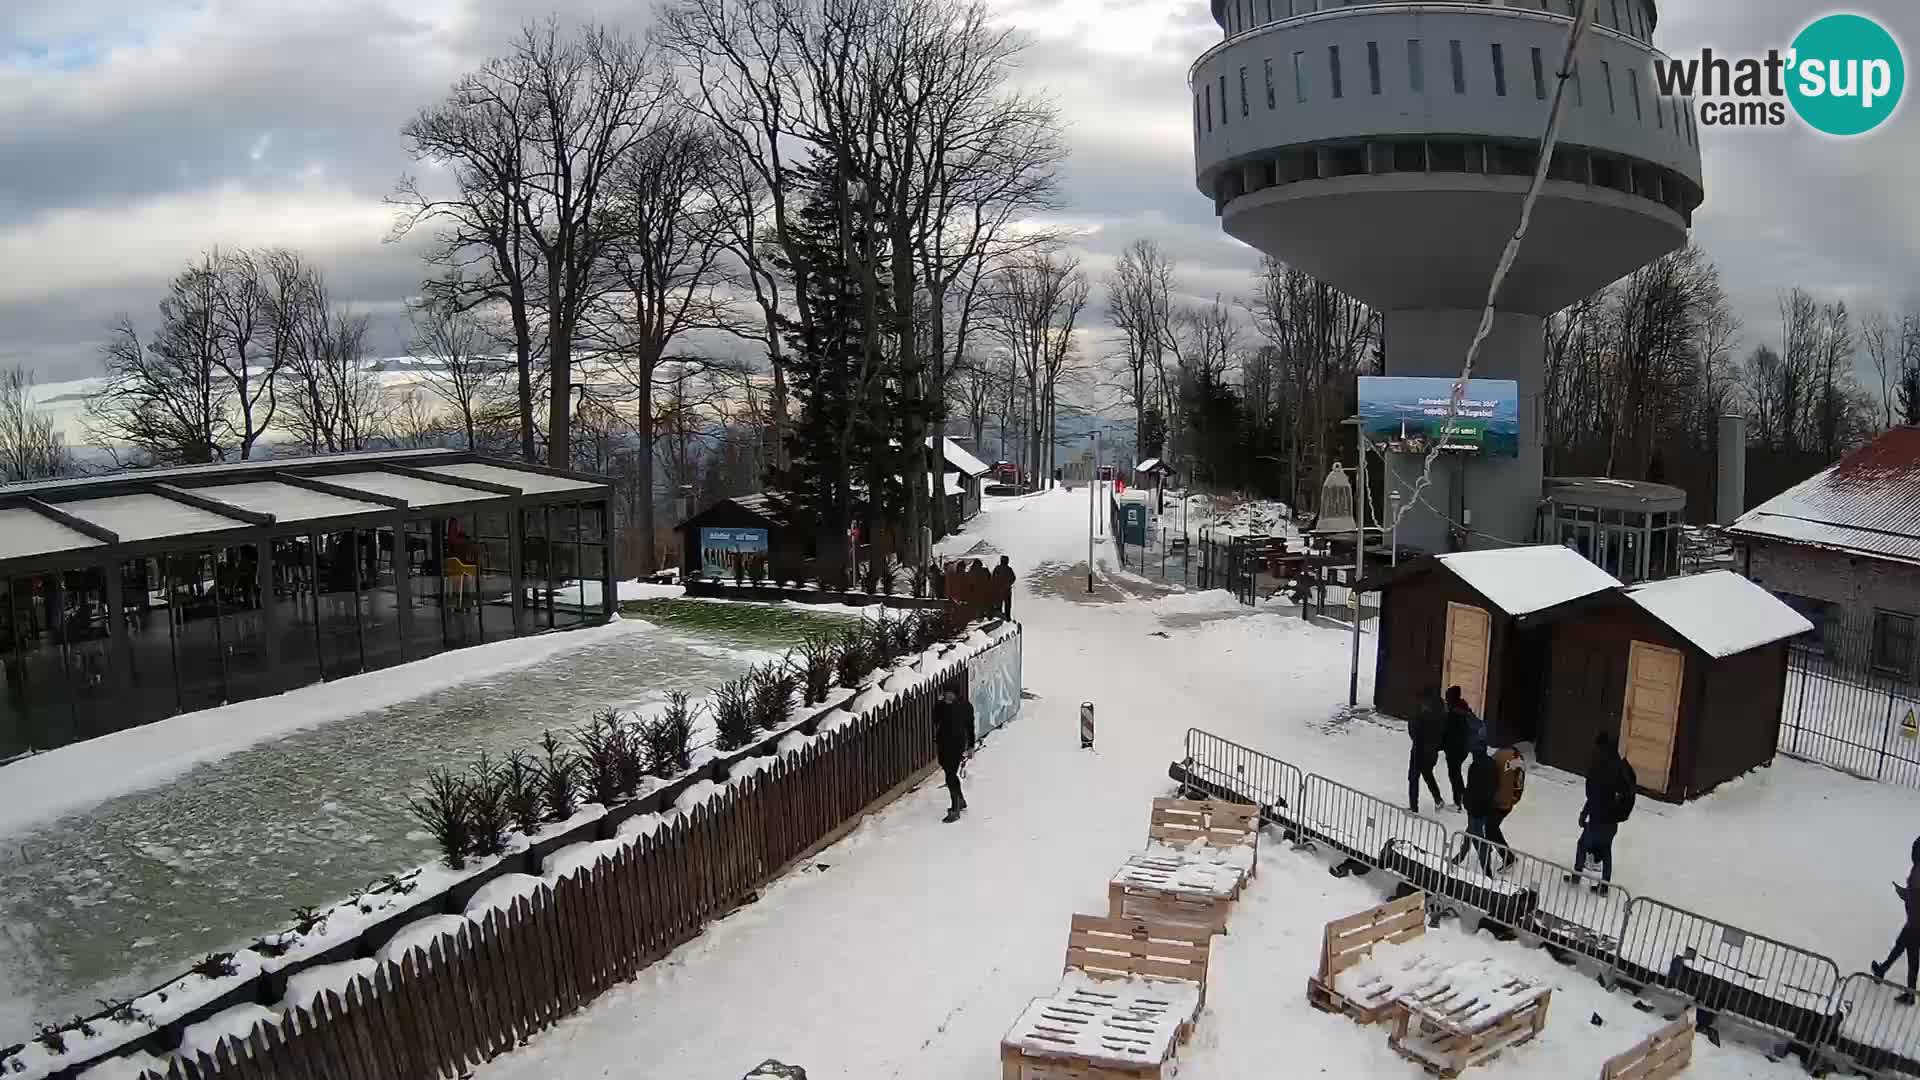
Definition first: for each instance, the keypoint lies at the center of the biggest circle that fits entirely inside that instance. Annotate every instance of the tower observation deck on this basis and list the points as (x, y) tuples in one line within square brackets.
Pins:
[(1386, 147)]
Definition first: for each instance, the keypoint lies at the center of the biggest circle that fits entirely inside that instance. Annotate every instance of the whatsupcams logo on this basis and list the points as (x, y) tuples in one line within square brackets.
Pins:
[(1843, 76)]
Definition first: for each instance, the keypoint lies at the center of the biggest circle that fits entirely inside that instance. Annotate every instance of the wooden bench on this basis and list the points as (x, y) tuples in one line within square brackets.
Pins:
[(1351, 940), (1206, 830), (1129, 995), (1466, 1016), (1660, 1055)]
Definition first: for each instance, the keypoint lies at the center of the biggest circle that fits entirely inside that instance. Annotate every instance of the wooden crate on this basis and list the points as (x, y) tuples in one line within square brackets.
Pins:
[(1173, 891), (1660, 1055), (1351, 940), (1447, 1051), (1215, 823)]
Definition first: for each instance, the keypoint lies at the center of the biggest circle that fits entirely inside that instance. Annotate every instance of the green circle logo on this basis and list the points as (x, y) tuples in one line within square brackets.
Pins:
[(1847, 75)]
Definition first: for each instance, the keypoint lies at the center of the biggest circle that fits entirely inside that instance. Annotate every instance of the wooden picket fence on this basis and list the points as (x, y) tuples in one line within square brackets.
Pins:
[(494, 984)]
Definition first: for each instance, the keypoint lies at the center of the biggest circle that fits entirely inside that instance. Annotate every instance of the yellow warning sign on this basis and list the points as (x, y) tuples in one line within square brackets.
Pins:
[(1909, 727)]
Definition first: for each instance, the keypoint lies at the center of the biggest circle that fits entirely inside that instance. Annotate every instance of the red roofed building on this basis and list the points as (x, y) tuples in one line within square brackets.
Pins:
[(1843, 548)]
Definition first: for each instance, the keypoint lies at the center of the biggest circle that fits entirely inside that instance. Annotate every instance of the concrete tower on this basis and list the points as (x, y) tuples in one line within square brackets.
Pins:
[(1385, 148)]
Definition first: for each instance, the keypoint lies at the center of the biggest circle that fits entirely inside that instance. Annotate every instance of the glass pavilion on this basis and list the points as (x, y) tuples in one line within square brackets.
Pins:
[(1629, 528), (134, 596)]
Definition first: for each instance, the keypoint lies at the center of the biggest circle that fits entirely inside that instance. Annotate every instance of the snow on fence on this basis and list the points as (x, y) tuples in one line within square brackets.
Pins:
[(513, 969)]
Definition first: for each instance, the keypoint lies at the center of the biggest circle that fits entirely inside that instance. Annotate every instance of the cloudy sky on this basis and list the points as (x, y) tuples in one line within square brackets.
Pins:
[(136, 133)]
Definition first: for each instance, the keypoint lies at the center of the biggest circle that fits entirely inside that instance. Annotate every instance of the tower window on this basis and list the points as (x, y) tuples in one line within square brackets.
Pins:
[(1267, 65), (1459, 68), (1499, 71), (1633, 85), (1373, 66), (1416, 70), (1209, 98), (1606, 76), (1333, 66), (1299, 76), (1223, 99), (1243, 91), (1539, 77)]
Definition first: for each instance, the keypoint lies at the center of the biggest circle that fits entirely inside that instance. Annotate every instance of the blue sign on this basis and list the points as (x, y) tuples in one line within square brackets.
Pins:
[(727, 553), (993, 685), (1409, 415)]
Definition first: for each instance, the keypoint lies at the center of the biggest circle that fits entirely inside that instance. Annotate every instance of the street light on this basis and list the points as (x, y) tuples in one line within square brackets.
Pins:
[(1093, 506)]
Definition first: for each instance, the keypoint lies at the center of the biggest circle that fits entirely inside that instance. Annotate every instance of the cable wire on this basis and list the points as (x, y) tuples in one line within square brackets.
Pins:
[(1548, 141)]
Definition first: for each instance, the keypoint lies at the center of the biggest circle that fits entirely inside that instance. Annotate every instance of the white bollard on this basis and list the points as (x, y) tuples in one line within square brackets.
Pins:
[(1086, 725)]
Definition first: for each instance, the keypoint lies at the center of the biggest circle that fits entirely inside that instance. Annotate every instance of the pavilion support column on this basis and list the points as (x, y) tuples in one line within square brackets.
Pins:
[(120, 667), (402, 585), (609, 562), (268, 603), (516, 545)]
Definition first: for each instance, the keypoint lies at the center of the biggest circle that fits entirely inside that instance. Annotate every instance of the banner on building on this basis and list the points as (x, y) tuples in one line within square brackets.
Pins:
[(724, 550), (1407, 415)]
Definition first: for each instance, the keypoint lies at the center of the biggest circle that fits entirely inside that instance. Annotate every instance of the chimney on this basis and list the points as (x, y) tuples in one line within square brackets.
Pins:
[(1730, 482)]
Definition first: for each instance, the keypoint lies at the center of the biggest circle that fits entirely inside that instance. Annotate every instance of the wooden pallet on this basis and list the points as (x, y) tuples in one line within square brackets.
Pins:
[(1171, 891), (1445, 1051), (1017, 1066), (1659, 1056), (1350, 940), (1215, 823)]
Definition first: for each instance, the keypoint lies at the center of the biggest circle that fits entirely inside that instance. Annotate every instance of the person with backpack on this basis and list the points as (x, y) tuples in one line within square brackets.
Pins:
[(1463, 732), (1510, 782), (1425, 731), (1908, 942), (1611, 789), (1482, 782)]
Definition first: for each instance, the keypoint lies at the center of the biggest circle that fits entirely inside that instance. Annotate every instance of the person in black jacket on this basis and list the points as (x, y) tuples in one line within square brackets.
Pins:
[(1482, 780), (1003, 579), (952, 735), (1908, 941), (1458, 741), (1610, 784), (1424, 730)]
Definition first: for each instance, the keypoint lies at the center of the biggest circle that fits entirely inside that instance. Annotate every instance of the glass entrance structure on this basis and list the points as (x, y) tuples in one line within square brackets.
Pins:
[(1629, 528), (130, 597)]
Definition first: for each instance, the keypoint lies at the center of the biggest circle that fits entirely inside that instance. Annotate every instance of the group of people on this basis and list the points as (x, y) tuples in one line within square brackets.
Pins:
[(1496, 778), (979, 591)]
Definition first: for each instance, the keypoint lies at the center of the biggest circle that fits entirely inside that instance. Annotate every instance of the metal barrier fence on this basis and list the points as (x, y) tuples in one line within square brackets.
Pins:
[(1875, 1035), (1360, 825), (1267, 782), (1532, 895), (1839, 710), (1722, 968)]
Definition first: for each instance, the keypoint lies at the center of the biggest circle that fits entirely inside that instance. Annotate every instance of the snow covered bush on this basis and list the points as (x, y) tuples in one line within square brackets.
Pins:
[(773, 688), (949, 624), (883, 636), (813, 660), (487, 813), (520, 775), (602, 757), (442, 811), (733, 713), (853, 658), (668, 738), (559, 779), (215, 965)]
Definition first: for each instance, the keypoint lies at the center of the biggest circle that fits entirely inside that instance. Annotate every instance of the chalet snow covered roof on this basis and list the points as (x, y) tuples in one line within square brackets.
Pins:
[(957, 456), (1867, 503), (1720, 612), (1524, 580)]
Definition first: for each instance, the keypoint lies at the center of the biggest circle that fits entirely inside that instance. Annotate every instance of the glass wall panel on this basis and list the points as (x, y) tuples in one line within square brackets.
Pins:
[(151, 693), (379, 602), (41, 666), (495, 573), (193, 608), (295, 616), (593, 556), (563, 527), (339, 609), (534, 568), (243, 630), (426, 564), (89, 659), (461, 569), (14, 737)]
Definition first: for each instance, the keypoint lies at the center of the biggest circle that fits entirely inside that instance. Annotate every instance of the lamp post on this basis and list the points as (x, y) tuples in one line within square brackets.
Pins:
[(1093, 507)]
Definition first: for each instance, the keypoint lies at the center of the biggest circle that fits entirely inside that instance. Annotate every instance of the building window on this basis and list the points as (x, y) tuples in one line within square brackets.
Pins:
[(1459, 67), (1416, 70), (1633, 86), (1499, 71), (1223, 99), (1892, 642), (1660, 115), (1196, 119), (1539, 77), (1269, 7), (1373, 66), (1243, 91), (1579, 92), (1267, 70), (1207, 91), (1333, 66), (1616, 15), (1300, 76), (1606, 76)]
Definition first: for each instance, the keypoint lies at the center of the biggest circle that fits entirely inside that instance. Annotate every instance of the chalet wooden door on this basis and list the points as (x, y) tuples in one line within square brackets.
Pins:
[(1469, 634), (1652, 712)]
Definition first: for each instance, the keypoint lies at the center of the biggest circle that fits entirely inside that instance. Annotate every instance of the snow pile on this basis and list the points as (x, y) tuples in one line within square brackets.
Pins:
[(236, 1023), (304, 986), (1211, 601), (574, 858), (419, 935), (1721, 612), (500, 893), (1523, 580), (639, 826)]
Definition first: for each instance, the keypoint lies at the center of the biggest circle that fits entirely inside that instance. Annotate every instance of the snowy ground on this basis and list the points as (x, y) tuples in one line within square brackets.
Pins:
[(130, 856), (907, 949)]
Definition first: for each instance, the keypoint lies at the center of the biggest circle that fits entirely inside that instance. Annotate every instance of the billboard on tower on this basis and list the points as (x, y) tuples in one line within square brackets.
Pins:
[(1408, 415)]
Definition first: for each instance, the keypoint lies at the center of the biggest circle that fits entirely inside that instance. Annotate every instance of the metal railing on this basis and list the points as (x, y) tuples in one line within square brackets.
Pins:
[(1359, 824), (1875, 1035), (1242, 774)]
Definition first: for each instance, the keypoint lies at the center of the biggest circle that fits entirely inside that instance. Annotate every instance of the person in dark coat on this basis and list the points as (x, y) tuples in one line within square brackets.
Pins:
[(1458, 741), (1003, 579), (1909, 940), (982, 596), (1482, 780), (1424, 731), (952, 735), (1610, 784)]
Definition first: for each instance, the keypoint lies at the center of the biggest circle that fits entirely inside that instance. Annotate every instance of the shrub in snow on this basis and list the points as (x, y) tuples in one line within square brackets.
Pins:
[(308, 919), (773, 688), (487, 814), (948, 624), (668, 738), (813, 660), (215, 965), (733, 713), (883, 636), (601, 755), (852, 658), (442, 811), (559, 779), (123, 1010), (53, 1037), (520, 776)]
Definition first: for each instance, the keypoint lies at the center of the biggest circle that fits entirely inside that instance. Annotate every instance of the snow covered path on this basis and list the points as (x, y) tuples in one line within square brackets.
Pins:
[(907, 949)]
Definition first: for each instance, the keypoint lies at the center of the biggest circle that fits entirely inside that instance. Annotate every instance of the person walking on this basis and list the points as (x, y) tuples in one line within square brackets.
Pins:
[(952, 736), (1510, 782), (1482, 782), (1908, 942), (1003, 579), (1458, 741), (982, 582), (1611, 789), (1424, 732)]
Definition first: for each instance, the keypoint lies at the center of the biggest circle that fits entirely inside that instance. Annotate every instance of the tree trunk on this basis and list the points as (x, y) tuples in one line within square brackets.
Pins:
[(559, 379), (643, 480)]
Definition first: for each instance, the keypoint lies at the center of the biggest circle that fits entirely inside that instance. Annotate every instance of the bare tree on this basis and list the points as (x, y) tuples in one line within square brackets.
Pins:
[(972, 386), (332, 402), (1035, 302), (31, 446), (1878, 338), (163, 398), (1140, 307), (459, 371)]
